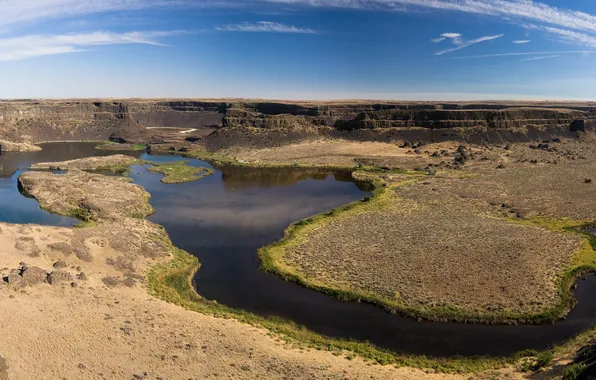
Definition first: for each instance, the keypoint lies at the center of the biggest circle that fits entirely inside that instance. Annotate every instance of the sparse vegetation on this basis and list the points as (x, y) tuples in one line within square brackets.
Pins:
[(573, 371), (222, 159), (423, 252), (86, 196), (117, 163), (180, 172)]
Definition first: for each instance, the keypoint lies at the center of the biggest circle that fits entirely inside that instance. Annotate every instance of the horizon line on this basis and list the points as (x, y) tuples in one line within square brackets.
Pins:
[(23, 99)]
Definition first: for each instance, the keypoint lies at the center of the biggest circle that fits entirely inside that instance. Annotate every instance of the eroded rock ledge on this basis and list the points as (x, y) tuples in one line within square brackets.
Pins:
[(9, 146), (222, 123)]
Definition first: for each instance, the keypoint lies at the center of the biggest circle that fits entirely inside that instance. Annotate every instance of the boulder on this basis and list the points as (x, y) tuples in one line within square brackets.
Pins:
[(59, 276), (60, 264), (34, 276), (14, 279)]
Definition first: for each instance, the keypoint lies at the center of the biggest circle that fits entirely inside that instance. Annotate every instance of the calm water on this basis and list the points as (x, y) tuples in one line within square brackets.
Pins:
[(225, 218), (14, 208)]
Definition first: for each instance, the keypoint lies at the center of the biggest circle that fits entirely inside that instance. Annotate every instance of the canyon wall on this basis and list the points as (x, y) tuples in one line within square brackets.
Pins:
[(238, 122)]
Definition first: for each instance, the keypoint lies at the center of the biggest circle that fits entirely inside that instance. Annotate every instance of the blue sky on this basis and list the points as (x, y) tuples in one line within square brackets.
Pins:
[(299, 49)]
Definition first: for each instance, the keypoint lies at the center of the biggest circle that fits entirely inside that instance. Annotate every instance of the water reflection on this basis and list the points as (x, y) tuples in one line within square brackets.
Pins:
[(238, 178), (225, 218), (11, 162), (14, 208)]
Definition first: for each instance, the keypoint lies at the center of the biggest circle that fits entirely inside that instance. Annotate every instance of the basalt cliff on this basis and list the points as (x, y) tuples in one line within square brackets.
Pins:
[(223, 123)]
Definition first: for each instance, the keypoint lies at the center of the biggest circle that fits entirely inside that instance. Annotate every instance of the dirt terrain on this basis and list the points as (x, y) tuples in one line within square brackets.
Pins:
[(490, 170), (88, 196), (434, 244), (80, 293)]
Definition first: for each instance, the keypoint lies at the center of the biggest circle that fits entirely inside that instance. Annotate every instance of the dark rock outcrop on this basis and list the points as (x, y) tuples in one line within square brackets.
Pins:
[(583, 126), (274, 123)]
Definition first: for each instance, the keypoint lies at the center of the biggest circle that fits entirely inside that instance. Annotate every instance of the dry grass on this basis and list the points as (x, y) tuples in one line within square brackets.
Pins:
[(425, 251), (556, 191), (85, 195), (114, 163), (342, 153)]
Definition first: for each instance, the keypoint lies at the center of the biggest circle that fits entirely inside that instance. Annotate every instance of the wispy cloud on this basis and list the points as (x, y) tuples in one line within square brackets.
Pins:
[(461, 44), (540, 58), (560, 22), (583, 52), (265, 26), (522, 41), (437, 40), (451, 35), (13, 11), (519, 11), (512, 9), (17, 11), (565, 35), (39, 45)]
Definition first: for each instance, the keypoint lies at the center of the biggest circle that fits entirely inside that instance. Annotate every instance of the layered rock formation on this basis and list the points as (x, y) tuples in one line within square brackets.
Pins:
[(274, 123)]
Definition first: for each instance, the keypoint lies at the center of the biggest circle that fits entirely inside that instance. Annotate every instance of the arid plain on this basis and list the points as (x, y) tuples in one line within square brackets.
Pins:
[(476, 216)]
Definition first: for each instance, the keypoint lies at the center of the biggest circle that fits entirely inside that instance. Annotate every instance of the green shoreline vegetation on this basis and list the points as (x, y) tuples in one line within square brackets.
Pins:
[(272, 261), (110, 145), (171, 282), (180, 172)]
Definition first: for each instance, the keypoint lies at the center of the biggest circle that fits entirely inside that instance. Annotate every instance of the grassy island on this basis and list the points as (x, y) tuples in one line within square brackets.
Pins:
[(180, 172)]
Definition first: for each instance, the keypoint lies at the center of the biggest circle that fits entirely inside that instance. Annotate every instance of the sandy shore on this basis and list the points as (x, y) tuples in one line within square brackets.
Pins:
[(99, 322)]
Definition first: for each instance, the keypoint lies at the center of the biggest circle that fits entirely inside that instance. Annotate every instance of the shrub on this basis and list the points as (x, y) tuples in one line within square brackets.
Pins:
[(573, 371)]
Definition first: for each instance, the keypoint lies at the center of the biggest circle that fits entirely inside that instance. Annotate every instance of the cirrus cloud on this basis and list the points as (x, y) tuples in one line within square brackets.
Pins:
[(457, 40), (264, 26), (23, 47)]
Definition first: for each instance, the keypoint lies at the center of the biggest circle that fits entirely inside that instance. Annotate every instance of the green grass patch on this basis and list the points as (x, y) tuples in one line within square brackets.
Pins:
[(180, 172), (124, 147)]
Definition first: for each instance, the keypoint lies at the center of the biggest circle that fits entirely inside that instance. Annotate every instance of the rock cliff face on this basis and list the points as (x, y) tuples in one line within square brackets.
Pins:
[(273, 123)]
